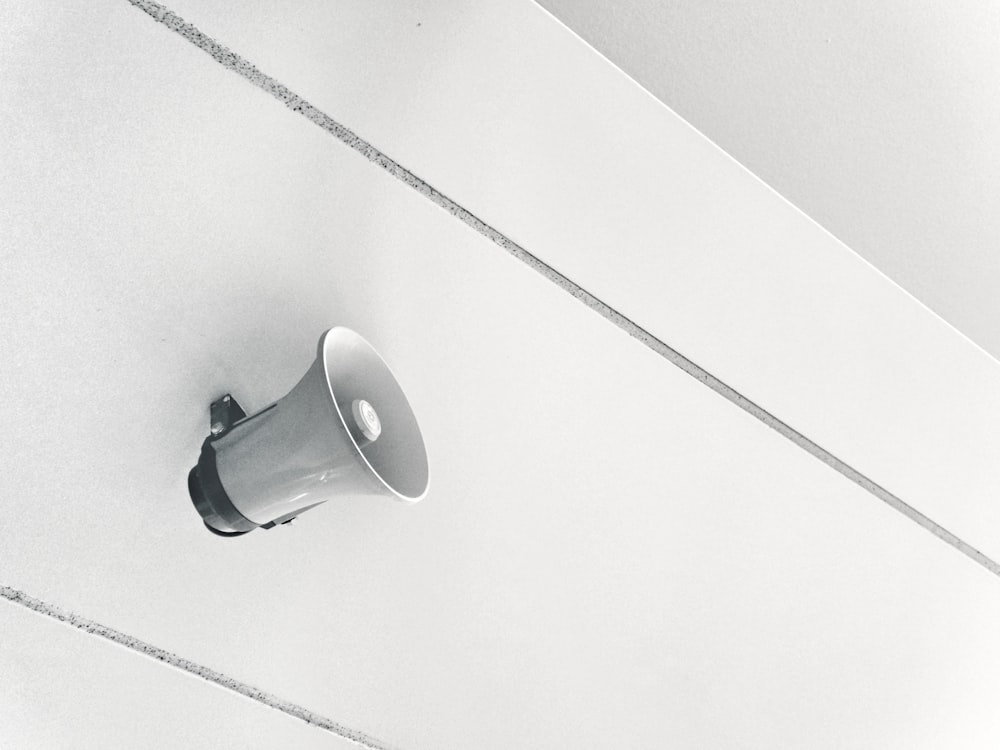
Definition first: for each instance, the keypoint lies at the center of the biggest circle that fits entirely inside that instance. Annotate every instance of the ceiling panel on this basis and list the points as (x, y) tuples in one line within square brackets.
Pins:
[(502, 108), (62, 688), (610, 553)]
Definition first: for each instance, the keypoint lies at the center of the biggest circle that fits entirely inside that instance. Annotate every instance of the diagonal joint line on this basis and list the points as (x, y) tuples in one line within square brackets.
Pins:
[(296, 103), (185, 665)]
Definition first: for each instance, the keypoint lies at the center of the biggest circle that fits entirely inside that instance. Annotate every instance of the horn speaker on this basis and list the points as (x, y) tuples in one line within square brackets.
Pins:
[(346, 428)]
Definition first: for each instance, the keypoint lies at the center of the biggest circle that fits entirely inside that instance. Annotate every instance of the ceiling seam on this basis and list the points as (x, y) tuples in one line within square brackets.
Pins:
[(296, 103), (185, 665)]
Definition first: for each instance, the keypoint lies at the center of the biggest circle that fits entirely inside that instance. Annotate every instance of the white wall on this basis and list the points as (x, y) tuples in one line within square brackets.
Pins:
[(879, 120), (62, 688), (611, 554)]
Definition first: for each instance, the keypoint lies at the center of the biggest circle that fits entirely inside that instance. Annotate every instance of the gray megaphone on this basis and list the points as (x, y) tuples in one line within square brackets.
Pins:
[(345, 429)]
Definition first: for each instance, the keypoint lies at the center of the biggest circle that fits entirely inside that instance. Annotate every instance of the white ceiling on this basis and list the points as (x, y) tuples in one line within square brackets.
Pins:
[(610, 553), (878, 119)]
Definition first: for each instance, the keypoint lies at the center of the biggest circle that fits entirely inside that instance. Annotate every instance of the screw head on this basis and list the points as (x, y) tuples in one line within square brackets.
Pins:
[(217, 428)]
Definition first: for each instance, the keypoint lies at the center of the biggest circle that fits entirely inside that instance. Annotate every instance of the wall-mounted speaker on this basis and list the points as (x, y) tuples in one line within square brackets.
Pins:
[(346, 428)]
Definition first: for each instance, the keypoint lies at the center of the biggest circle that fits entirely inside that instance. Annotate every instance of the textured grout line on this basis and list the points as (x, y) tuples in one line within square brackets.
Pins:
[(297, 104), (209, 675)]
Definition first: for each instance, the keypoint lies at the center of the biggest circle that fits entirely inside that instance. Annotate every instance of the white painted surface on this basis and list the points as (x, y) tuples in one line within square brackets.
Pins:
[(879, 120), (688, 578), (500, 107), (62, 688)]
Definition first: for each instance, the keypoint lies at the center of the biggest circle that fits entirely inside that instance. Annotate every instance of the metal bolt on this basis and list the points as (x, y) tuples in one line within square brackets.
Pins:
[(217, 428), (225, 398)]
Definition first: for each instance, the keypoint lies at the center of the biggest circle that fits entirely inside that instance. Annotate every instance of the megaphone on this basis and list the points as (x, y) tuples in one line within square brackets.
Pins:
[(345, 429)]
